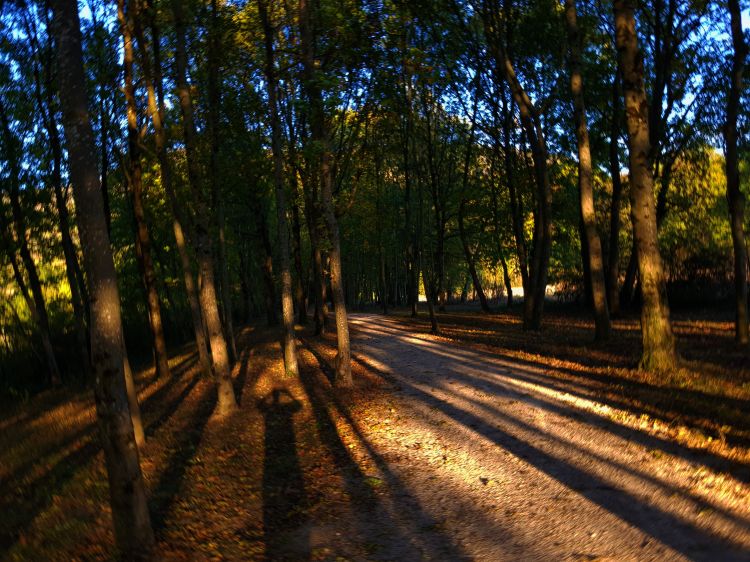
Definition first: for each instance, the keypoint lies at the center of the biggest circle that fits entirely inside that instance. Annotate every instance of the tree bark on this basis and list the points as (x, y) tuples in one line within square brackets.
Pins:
[(324, 172), (735, 197), (156, 109), (130, 513), (658, 341), (542, 241), (214, 104), (586, 179), (613, 263), (45, 103), (470, 259), (289, 342), (135, 184), (299, 286), (209, 303)]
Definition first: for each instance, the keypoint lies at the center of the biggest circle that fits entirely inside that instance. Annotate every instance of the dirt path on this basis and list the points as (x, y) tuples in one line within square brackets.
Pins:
[(499, 463), (444, 451)]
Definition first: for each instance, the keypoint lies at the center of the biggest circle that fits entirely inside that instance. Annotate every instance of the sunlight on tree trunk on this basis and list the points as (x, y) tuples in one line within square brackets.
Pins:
[(586, 179), (658, 341), (289, 342), (134, 181), (207, 294)]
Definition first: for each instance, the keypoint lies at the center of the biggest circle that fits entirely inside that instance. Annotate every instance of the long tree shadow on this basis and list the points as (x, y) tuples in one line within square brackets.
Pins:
[(23, 499), (666, 404), (438, 546), (168, 409), (285, 503), (664, 526), (188, 437), (498, 390), (241, 380), (688, 401)]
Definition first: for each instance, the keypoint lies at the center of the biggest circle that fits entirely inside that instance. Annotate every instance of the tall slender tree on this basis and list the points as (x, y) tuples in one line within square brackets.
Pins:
[(127, 492), (538, 272), (586, 177), (735, 197), (227, 402), (135, 187), (658, 341), (323, 173), (289, 343), (152, 77), (33, 293)]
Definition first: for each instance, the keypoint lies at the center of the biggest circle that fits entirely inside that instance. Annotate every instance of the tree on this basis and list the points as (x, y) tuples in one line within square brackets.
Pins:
[(322, 172), (658, 341), (127, 493), (155, 100), (34, 297), (735, 197), (289, 344), (532, 126), (585, 178), (209, 303), (135, 187)]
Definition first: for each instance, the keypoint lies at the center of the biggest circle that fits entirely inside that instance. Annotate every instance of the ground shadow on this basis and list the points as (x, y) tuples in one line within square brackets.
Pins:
[(188, 437), (239, 382), (666, 403), (23, 499), (668, 528), (421, 530), (284, 499)]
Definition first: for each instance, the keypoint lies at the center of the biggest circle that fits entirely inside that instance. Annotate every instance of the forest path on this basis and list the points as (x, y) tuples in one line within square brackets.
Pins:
[(508, 463)]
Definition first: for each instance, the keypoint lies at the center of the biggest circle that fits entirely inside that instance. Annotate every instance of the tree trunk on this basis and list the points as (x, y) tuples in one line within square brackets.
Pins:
[(73, 273), (735, 197), (104, 138), (319, 136), (658, 341), (542, 243), (135, 184), (516, 207), (470, 259), (209, 304), (412, 292), (132, 391), (214, 104), (156, 110), (586, 180), (508, 283), (266, 261), (289, 342), (343, 378), (128, 496), (613, 264), (299, 287)]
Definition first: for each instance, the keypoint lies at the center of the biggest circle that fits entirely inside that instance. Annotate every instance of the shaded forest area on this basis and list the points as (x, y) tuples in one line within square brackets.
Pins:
[(226, 218)]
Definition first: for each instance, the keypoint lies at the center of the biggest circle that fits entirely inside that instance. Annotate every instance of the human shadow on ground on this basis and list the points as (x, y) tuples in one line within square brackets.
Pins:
[(667, 527), (284, 498)]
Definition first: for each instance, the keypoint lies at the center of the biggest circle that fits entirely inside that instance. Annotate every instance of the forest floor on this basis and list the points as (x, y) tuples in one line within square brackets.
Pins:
[(483, 443)]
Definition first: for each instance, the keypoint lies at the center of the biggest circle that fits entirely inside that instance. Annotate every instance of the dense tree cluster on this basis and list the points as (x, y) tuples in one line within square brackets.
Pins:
[(170, 169)]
